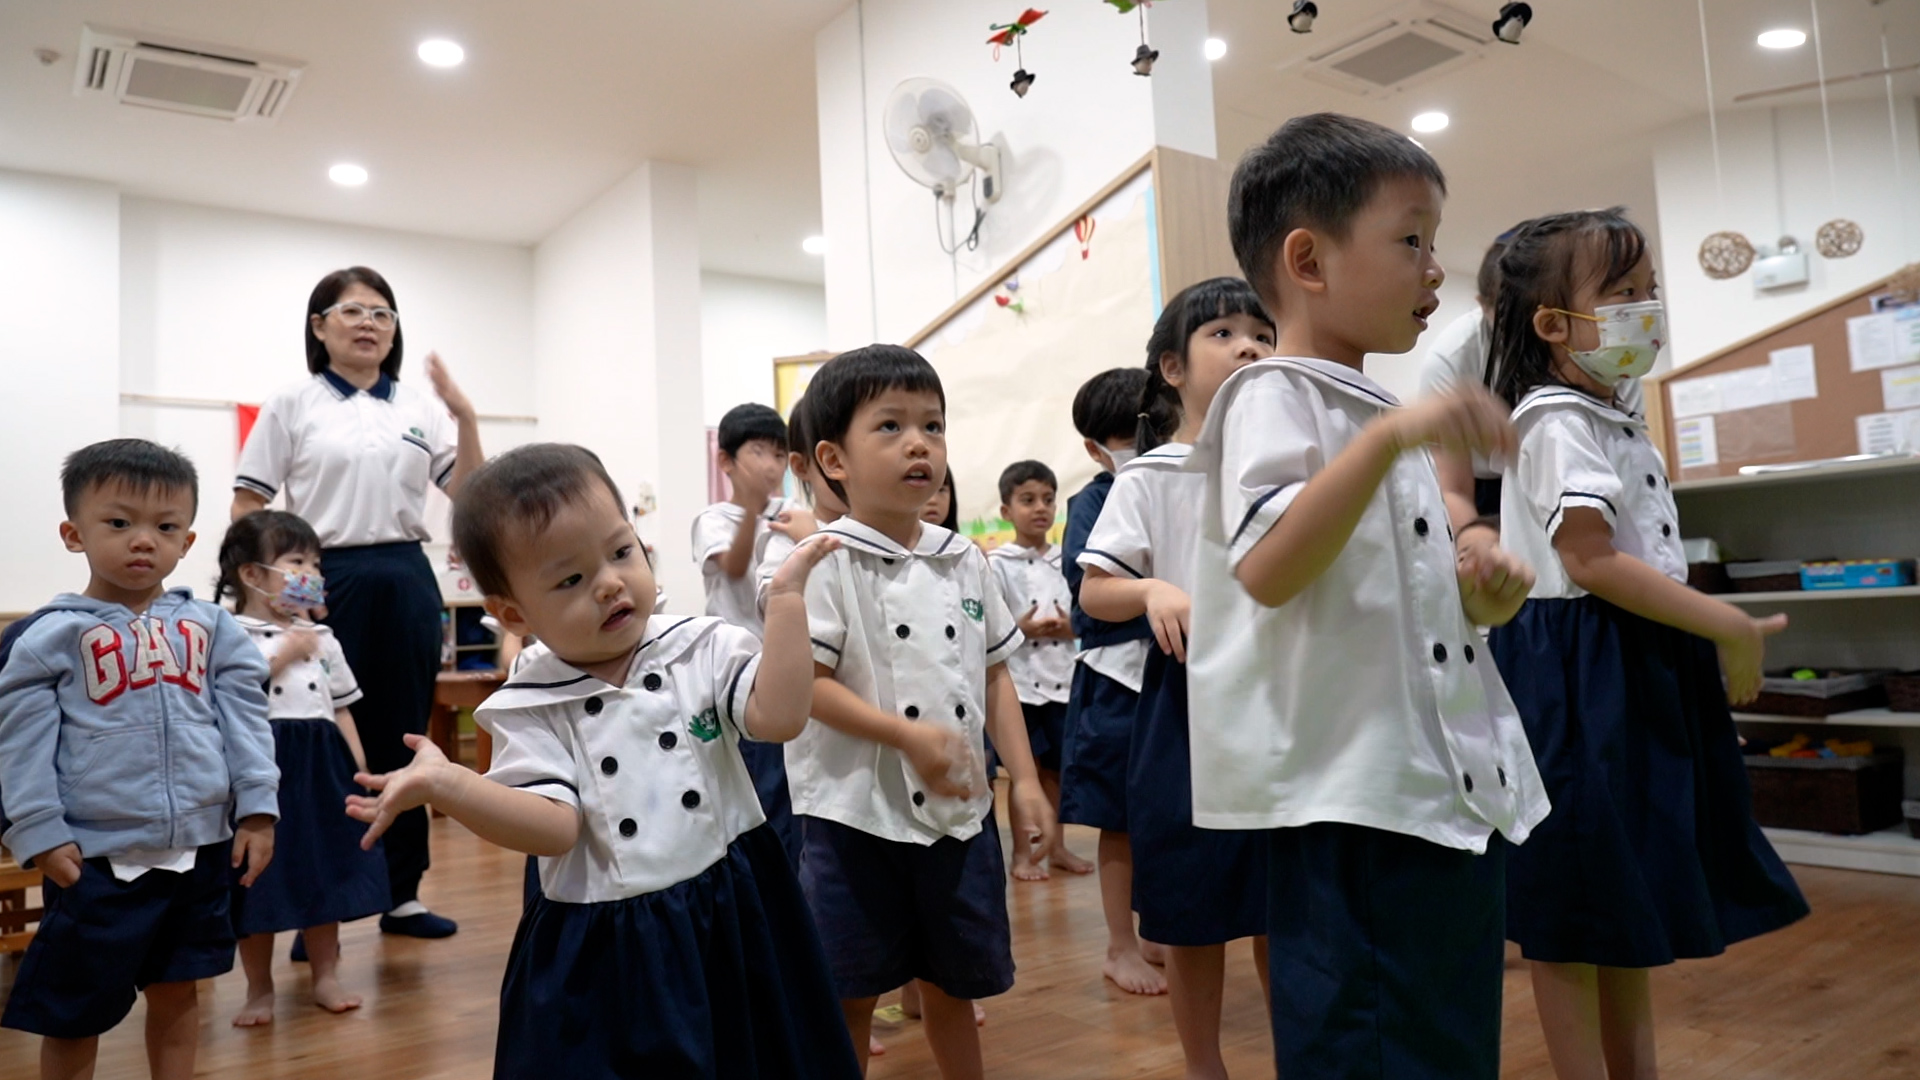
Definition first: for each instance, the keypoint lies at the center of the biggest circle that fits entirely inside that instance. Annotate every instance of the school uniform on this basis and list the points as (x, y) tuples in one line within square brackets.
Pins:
[(1191, 886), (737, 601), (319, 874), (672, 939), (1652, 853), (1363, 723), (904, 883), (356, 464), (1105, 692), (1042, 670)]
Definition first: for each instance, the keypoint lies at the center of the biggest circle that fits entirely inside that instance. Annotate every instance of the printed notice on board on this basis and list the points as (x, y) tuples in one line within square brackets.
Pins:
[(1884, 340), (1699, 446), (1900, 388), (1793, 377), (1696, 397), (1889, 432)]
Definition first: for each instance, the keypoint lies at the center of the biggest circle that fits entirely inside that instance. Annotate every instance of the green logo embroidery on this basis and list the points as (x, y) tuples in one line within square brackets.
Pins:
[(705, 725), (975, 609), (417, 433)]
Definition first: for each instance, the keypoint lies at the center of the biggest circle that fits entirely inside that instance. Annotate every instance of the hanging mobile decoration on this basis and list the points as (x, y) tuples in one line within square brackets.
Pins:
[(1725, 254), (1010, 297), (1145, 55), (1083, 232), (1005, 34), (1838, 238)]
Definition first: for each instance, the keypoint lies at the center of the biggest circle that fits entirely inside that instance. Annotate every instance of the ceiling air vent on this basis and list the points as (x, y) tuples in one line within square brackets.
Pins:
[(199, 80), (1419, 43)]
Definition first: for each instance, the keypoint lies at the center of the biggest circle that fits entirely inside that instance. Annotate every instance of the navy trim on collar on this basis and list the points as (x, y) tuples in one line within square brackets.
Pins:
[(544, 685), (1359, 388), (382, 387), (866, 543), (662, 634)]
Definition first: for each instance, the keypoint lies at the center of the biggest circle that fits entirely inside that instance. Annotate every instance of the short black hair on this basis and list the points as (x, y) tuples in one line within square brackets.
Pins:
[(745, 423), (326, 294), (260, 537), (1019, 473), (131, 463), (1158, 406), (1316, 172), (951, 522), (852, 379), (1540, 267), (520, 491), (1107, 406)]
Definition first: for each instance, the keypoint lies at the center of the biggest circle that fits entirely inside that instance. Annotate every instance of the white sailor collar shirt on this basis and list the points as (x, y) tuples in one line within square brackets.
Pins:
[(1042, 669)]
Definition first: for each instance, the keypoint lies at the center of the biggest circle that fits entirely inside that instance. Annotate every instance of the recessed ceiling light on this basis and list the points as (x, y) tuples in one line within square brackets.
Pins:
[(814, 245), (441, 53), (347, 175), (1783, 39), (1215, 48), (1428, 122)]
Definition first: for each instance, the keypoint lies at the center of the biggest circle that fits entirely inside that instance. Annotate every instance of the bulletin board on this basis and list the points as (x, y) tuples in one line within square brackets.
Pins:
[(1840, 380)]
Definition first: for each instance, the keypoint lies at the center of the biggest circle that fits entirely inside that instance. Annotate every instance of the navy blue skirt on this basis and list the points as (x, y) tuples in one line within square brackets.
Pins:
[(1191, 886), (767, 764), (1093, 763), (318, 874), (1651, 853), (718, 976)]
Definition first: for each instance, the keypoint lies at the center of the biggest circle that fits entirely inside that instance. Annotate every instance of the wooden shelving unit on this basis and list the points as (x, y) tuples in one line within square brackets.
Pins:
[(462, 616)]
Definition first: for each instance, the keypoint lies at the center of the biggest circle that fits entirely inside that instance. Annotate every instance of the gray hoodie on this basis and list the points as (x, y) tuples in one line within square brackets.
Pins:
[(121, 731)]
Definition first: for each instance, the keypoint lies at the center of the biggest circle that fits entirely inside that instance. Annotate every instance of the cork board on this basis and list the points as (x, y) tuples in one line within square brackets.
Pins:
[(1773, 432)]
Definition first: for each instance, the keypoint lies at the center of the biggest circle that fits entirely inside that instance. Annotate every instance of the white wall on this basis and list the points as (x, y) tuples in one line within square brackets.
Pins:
[(213, 303), (1087, 117), (59, 339), (745, 322), (1776, 178)]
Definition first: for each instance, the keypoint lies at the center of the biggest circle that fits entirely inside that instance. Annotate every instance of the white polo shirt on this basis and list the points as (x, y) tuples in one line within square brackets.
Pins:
[(732, 599), (652, 766), (1042, 669), (1460, 354), (1578, 451), (355, 463), (912, 632), (308, 688), (1369, 698)]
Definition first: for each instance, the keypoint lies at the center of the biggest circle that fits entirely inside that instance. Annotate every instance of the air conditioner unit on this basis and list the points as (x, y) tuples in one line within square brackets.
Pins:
[(1420, 42), (200, 80)]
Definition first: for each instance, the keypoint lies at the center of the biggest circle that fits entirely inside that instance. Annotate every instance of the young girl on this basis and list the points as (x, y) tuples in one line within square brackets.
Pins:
[(319, 877), (1195, 889), (1650, 853), (944, 508)]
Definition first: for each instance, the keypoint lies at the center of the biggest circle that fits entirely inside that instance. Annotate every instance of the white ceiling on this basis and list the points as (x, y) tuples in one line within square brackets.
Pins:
[(557, 101)]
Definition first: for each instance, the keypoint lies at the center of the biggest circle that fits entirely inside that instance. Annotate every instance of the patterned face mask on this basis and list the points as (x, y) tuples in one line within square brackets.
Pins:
[(299, 589), (1630, 338)]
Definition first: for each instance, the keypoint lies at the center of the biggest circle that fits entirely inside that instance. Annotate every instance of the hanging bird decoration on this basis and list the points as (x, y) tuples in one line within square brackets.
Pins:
[(1125, 7), (1145, 55), (1005, 34)]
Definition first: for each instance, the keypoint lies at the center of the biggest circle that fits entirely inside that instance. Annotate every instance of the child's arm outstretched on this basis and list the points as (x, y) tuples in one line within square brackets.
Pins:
[(509, 817), (1116, 599), (782, 696), (1585, 544), (1321, 518)]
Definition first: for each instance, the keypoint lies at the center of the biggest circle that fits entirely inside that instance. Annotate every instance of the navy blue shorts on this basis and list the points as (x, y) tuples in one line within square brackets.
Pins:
[(103, 940), (1093, 764), (890, 911), (1387, 955), (767, 764), (1046, 732)]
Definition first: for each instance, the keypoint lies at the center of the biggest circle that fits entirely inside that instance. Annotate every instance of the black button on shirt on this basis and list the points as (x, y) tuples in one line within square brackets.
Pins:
[(1439, 652), (652, 681), (690, 800), (628, 827), (668, 740), (609, 766), (1420, 526), (592, 706)]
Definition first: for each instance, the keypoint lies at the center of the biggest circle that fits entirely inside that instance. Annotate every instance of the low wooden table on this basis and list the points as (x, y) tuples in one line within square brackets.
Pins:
[(17, 920), (453, 691)]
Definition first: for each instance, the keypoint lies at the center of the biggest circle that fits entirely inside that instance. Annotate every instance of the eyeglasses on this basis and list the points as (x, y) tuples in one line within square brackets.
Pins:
[(383, 318)]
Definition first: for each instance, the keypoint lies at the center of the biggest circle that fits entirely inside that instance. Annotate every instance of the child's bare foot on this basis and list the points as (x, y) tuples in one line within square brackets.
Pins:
[(979, 1015), (1153, 952), (1131, 972), (1027, 869), (331, 996), (875, 1047), (258, 1011), (1068, 861)]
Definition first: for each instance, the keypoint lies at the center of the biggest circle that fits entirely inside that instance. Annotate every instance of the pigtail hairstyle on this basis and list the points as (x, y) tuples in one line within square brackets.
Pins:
[(1541, 268), (260, 538), (1189, 310)]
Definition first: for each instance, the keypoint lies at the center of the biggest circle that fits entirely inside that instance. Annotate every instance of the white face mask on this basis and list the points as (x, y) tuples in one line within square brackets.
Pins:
[(1121, 457), (1631, 336)]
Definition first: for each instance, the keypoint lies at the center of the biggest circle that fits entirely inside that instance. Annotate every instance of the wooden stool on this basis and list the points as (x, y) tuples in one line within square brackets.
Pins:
[(16, 918)]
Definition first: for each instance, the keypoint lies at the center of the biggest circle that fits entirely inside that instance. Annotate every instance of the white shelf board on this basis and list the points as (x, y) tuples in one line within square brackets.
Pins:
[(1857, 718), (1892, 851), (1853, 470), (1788, 596)]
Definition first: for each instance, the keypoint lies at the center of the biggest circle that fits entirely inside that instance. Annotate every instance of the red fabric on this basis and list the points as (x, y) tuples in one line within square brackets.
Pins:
[(246, 415)]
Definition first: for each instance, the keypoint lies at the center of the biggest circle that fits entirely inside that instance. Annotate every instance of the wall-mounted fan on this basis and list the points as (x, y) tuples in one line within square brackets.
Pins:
[(932, 136)]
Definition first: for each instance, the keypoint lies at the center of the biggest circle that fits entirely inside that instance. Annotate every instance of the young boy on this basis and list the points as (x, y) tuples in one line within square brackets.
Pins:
[(1106, 682), (133, 730), (1031, 582), (902, 865), (730, 542), (1341, 693)]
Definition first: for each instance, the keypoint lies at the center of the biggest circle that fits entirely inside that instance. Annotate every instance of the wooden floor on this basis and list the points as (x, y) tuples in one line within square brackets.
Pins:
[(1837, 996)]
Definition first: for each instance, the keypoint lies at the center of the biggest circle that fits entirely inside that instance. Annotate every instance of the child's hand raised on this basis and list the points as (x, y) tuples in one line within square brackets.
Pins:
[(791, 578), (1469, 419), (1494, 582), (796, 523), (1743, 654), (252, 846), (1169, 611), (399, 791)]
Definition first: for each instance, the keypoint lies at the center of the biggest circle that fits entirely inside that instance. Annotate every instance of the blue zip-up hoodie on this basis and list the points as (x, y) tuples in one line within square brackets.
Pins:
[(121, 731)]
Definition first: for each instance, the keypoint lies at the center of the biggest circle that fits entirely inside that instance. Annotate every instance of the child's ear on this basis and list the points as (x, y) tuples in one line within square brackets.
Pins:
[(1172, 370), (1551, 326), (833, 462), (511, 618), (797, 464), (70, 536), (1097, 452), (1301, 261), (188, 546)]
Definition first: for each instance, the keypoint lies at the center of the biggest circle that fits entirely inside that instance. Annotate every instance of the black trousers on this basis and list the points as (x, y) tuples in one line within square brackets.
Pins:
[(383, 603)]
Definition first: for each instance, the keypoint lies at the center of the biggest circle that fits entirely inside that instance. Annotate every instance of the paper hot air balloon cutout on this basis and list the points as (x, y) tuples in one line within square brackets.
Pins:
[(1083, 232)]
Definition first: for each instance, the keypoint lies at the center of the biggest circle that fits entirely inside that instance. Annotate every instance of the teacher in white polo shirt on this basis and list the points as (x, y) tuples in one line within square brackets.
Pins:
[(354, 448)]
